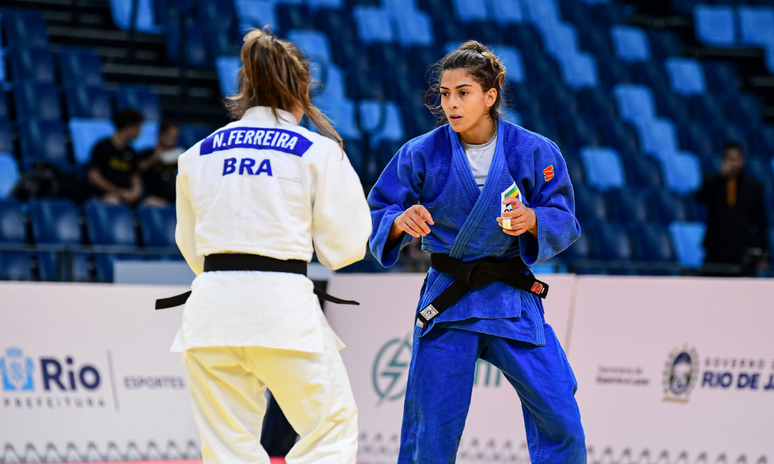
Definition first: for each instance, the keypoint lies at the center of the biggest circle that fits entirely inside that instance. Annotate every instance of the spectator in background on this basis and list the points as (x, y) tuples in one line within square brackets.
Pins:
[(158, 166), (736, 219), (113, 171)]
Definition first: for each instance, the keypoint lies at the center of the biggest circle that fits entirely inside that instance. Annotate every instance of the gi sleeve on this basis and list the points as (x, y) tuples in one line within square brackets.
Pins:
[(186, 224), (340, 220), (397, 189), (553, 200)]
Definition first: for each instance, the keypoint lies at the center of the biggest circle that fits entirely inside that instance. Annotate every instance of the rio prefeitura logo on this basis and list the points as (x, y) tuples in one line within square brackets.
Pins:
[(681, 374)]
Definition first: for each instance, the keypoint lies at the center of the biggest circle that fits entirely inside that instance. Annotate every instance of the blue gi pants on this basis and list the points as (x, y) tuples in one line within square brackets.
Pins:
[(440, 385)]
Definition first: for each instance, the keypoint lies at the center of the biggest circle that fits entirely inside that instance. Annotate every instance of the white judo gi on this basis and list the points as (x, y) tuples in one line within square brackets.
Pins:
[(274, 189)]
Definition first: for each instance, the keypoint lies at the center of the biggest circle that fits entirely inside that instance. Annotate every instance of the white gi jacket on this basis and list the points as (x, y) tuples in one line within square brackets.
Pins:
[(274, 189)]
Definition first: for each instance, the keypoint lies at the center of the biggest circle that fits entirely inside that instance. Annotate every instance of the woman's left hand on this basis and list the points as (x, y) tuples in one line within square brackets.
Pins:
[(523, 219)]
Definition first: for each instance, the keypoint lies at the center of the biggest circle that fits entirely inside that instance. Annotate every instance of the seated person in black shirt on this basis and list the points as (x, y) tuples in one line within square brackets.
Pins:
[(736, 219), (113, 171), (158, 166)]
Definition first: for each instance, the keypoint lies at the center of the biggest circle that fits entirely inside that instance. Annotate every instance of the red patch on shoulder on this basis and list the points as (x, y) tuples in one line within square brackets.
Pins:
[(548, 173)]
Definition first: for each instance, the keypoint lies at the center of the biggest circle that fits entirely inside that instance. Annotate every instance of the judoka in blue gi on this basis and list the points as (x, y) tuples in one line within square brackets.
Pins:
[(476, 188)]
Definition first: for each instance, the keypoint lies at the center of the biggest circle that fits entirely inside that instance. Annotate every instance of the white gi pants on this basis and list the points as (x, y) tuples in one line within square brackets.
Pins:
[(228, 386)]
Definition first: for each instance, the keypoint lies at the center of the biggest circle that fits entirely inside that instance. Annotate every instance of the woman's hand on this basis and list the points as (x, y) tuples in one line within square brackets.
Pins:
[(523, 219), (414, 221)]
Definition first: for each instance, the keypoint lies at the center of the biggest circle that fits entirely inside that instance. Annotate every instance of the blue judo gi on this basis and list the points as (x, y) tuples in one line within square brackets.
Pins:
[(495, 322)]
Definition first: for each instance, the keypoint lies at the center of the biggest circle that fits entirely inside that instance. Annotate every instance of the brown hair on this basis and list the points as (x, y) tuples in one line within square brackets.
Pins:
[(484, 67), (274, 73)]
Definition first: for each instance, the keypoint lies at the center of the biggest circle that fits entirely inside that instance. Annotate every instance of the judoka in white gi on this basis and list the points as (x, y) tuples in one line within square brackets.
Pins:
[(265, 186)]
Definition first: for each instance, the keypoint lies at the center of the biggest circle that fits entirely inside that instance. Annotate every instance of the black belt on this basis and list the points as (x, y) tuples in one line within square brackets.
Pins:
[(247, 262), (476, 274)]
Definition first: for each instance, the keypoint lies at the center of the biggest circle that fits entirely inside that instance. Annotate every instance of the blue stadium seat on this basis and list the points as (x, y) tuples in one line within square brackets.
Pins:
[(194, 52), (668, 206), (15, 265), (228, 70), (190, 135), (24, 28), (110, 224), (761, 169), (715, 25), (139, 98), (707, 108), (4, 110), (579, 70), (686, 76), (643, 171), (745, 109), (756, 24), (635, 101), (48, 263), (604, 169), (37, 101), (31, 65), (673, 107), (470, 10), (103, 265), (561, 40), (542, 13), (42, 140), (55, 222), (763, 141), (6, 136), (293, 16), (256, 13), (722, 78), (658, 137), (354, 150), (687, 238), (85, 133), (682, 172), (158, 226), (415, 28), (628, 205), (664, 44), (684, 6), (149, 136), (589, 204), (80, 66), (618, 134), (506, 12), (382, 120), (612, 242), (9, 174), (583, 248), (342, 112), (314, 43), (373, 24), (513, 62), (332, 4), (769, 58), (145, 20), (88, 102), (693, 137), (574, 167), (653, 242), (631, 43), (12, 226)]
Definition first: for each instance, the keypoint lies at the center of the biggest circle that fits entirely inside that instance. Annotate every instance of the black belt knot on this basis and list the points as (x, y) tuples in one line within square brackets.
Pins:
[(473, 274)]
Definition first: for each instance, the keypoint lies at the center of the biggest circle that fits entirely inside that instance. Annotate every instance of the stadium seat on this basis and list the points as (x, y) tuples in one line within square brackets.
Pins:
[(664, 44), (9, 174), (314, 43), (373, 24), (604, 169), (24, 28), (110, 224), (715, 25), (12, 225), (342, 112), (668, 206), (722, 78), (6, 136), (769, 59), (37, 101), (506, 12), (149, 136), (682, 172), (139, 98), (382, 120), (612, 242), (628, 205), (88, 102), (763, 141), (513, 62), (293, 16), (706, 108), (653, 242), (85, 133), (55, 222), (686, 76), (634, 102), (658, 137), (643, 171), (631, 43), (693, 137), (589, 204), (583, 248), (144, 21), (256, 13), (687, 238), (470, 10), (15, 265), (574, 167), (42, 140), (561, 40), (190, 135), (228, 70), (4, 110), (158, 226), (756, 25), (673, 107), (542, 13), (48, 262), (745, 109), (103, 265), (415, 28), (80, 66), (761, 169), (579, 70), (32, 65), (618, 134), (194, 50)]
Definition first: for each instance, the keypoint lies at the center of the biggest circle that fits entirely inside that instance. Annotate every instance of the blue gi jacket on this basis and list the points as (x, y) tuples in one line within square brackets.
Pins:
[(433, 170)]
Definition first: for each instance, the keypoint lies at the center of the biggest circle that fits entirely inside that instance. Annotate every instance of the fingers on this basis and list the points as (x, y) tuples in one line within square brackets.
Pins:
[(412, 221), (517, 228), (517, 208), (424, 214)]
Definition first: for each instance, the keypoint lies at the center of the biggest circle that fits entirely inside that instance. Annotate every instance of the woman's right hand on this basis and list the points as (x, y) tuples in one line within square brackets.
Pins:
[(414, 221)]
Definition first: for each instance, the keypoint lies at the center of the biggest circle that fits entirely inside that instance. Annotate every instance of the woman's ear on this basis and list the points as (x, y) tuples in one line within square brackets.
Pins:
[(491, 97)]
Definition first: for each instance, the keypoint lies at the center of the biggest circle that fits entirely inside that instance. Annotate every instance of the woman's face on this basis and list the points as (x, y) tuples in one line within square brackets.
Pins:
[(464, 101)]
